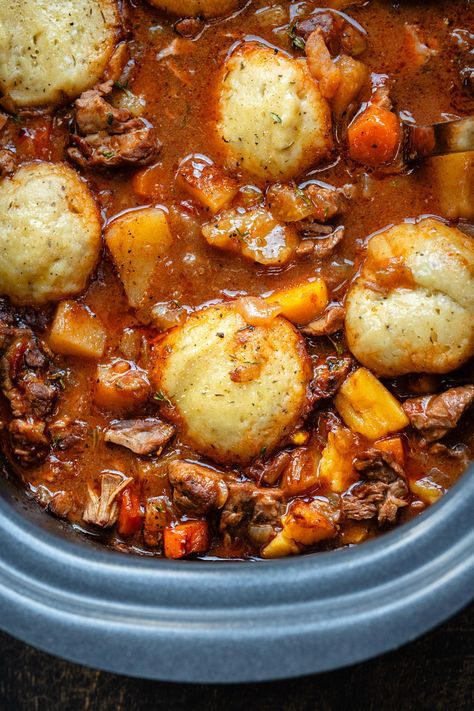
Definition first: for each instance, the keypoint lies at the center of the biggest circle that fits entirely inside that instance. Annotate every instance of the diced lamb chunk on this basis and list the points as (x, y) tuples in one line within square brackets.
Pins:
[(435, 415), (253, 512), (383, 492), (197, 490), (140, 436)]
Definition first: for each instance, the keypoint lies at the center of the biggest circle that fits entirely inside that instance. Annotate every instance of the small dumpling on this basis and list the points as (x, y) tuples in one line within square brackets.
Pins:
[(272, 119), (238, 390), (412, 307), (50, 234), (53, 50)]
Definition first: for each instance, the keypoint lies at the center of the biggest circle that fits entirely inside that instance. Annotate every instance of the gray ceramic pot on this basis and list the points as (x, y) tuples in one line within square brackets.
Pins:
[(228, 622)]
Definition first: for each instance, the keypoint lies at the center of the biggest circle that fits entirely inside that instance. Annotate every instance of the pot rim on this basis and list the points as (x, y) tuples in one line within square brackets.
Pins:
[(231, 621)]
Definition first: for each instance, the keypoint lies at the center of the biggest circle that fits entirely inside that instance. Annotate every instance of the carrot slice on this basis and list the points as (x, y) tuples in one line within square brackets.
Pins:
[(130, 517), (374, 136), (185, 539)]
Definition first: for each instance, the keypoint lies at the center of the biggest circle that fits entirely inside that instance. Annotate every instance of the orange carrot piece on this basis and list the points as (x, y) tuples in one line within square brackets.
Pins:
[(187, 538), (374, 136), (393, 446), (149, 181), (130, 517)]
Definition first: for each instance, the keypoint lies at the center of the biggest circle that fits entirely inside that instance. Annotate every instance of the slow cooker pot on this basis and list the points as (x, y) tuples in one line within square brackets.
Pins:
[(199, 621)]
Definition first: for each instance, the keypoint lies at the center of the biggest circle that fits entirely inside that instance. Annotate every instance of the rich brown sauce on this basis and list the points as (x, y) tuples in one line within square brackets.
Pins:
[(178, 87)]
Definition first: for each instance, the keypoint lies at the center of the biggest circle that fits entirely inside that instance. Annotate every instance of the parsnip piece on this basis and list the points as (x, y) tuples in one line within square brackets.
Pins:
[(76, 331), (366, 406), (138, 241), (454, 176), (301, 303)]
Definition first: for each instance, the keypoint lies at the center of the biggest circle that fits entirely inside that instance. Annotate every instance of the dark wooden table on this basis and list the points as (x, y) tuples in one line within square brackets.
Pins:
[(435, 672)]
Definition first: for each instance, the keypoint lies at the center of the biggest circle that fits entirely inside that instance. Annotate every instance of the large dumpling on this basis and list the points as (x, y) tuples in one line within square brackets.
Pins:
[(272, 120), (238, 390), (412, 307), (193, 8), (53, 50), (50, 234)]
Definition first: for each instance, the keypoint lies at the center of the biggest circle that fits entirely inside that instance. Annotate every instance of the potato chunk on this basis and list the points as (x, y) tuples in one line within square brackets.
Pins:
[(305, 524), (336, 469), (454, 176), (138, 241), (76, 331), (206, 184), (366, 406), (254, 234), (301, 303)]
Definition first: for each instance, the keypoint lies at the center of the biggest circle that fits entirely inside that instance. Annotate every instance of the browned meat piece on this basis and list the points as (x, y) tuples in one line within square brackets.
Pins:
[(28, 441), (329, 376), (435, 415), (269, 471), (321, 247), (102, 509), (252, 512), (25, 373), (94, 113), (3, 120), (332, 320), (7, 162), (28, 382), (68, 434), (117, 62), (140, 436), (338, 34), (331, 25), (384, 492), (137, 147), (197, 489), (108, 137), (189, 27)]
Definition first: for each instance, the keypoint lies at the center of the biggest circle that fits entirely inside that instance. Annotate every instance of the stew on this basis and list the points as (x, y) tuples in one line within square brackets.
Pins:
[(236, 320)]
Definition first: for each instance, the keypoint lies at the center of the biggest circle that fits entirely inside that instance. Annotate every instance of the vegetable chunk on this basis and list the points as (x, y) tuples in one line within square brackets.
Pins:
[(367, 407), (254, 234), (76, 331), (138, 241), (186, 539), (300, 304)]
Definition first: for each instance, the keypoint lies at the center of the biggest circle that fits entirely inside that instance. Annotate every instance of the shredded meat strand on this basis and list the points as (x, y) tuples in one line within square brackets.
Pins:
[(102, 509)]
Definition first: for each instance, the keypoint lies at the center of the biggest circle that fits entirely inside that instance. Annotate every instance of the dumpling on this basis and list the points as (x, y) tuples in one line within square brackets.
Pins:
[(238, 390), (272, 120), (53, 50), (50, 234), (412, 307)]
